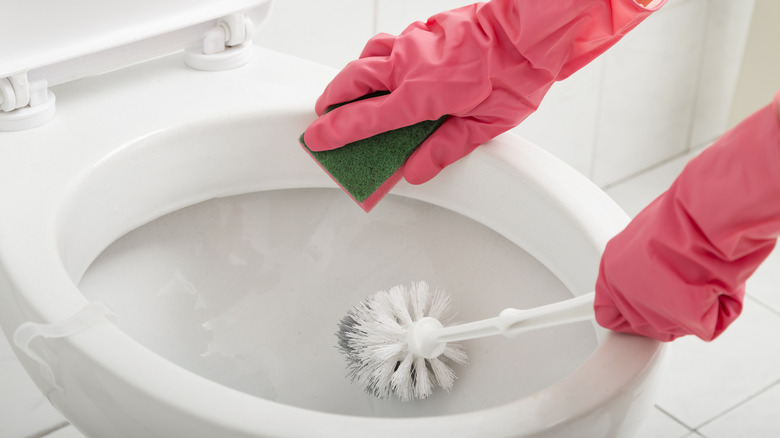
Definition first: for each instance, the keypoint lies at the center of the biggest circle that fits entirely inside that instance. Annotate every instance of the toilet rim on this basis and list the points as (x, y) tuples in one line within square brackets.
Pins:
[(105, 345)]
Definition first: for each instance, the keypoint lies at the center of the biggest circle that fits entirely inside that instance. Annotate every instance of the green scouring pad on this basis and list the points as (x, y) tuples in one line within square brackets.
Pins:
[(367, 169)]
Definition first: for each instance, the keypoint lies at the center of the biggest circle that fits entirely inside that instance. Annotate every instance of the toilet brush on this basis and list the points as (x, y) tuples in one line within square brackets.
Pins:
[(396, 343)]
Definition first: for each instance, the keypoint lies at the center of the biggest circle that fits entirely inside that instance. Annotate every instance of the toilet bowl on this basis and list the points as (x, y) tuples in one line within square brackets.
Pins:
[(173, 264)]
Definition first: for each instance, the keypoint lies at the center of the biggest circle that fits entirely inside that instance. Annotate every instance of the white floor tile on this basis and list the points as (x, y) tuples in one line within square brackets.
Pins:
[(704, 380), (661, 425), (24, 411), (757, 418)]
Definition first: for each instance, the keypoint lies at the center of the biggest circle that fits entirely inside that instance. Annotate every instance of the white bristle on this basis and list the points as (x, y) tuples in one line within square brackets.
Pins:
[(373, 337)]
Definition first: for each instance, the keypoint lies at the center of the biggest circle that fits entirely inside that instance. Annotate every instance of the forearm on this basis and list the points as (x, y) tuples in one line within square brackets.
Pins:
[(487, 66), (680, 266), (558, 38)]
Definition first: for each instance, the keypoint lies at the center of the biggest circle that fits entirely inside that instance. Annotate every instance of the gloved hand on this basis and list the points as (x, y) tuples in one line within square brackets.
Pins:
[(486, 65), (680, 266)]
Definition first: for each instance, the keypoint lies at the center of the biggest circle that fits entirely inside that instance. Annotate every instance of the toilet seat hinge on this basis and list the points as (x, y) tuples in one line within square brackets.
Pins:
[(81, 320), (17, 92), (225, 46), (24, 104)]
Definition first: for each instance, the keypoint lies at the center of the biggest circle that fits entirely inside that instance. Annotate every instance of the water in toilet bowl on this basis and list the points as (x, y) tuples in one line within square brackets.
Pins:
[(247, 291)]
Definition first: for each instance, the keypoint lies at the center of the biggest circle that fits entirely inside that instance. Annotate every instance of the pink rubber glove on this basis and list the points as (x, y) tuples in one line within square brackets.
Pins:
[(487, 65), (680, 266)]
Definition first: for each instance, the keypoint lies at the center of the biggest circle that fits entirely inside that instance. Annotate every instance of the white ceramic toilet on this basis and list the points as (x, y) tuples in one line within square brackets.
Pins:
[(173, 264)]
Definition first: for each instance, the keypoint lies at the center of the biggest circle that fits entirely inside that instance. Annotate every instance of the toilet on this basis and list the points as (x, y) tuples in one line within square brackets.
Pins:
[(172, 263)]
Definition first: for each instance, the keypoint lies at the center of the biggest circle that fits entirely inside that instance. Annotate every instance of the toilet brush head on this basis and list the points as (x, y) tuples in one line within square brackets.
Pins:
[(368, 169), (373, 337)]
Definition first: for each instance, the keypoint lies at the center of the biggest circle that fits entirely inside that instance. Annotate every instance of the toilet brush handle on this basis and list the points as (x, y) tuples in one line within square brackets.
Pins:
[(511, 322), (575, 309)]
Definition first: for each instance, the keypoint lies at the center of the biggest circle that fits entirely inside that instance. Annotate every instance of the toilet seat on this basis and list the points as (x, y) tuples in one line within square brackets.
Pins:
[(95, 172), (87, 38)]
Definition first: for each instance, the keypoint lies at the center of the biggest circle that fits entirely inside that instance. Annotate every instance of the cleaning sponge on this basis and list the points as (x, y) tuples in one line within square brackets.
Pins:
[(367, 169)]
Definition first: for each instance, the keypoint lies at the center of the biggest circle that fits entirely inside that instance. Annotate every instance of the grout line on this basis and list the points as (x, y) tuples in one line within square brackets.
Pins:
[(761, 303), (645, 170), (376, 18), (699, 74), (50, 430), (599, 111), (747, 399), (706, 143), (677, 420), (672, 5), (694, 150)]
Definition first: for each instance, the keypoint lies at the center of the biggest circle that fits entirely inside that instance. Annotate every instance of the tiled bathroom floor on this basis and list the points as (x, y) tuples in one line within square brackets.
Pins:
[(727, 388)]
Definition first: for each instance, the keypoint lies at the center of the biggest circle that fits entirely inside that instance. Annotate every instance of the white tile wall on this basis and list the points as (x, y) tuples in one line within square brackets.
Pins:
[(331, 32), (724, 45), (566, 123), (634, 195), (394, 15), (648, 93)]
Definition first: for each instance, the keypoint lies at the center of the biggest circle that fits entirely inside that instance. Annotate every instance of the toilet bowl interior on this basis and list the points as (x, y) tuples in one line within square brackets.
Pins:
[(246, 291), (234, 239)]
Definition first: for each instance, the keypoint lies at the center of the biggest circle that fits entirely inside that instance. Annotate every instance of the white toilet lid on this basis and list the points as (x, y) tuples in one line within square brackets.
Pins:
[(62, 41)]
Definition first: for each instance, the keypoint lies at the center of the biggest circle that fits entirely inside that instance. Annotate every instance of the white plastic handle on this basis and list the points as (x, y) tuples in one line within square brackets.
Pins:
[(427, 337)]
